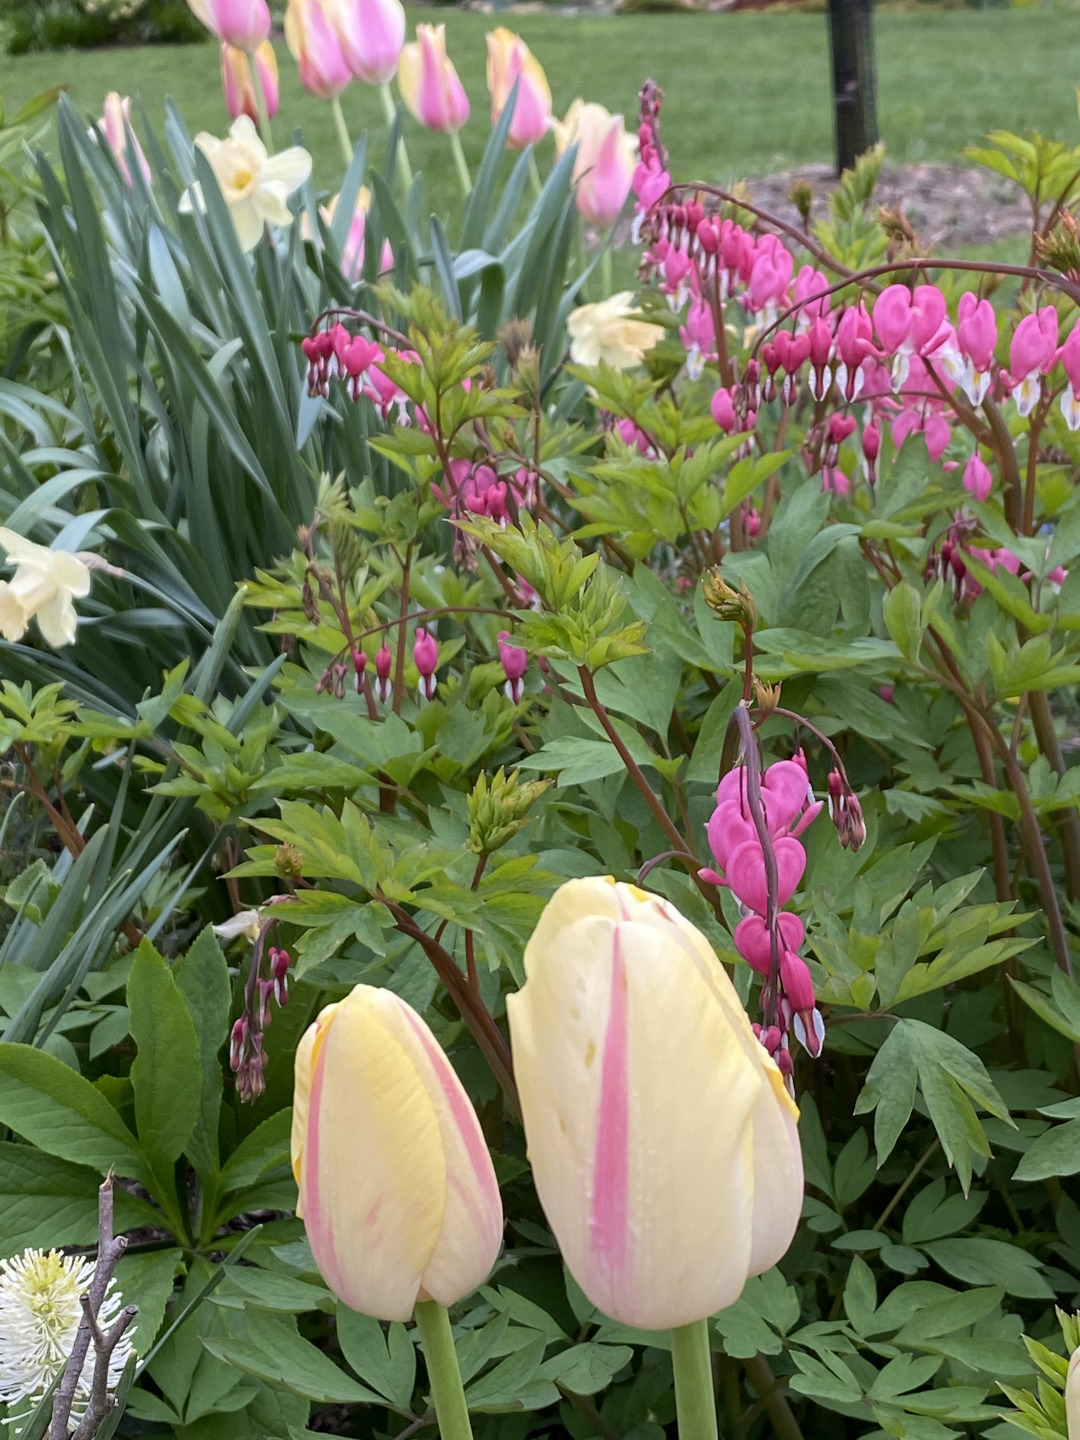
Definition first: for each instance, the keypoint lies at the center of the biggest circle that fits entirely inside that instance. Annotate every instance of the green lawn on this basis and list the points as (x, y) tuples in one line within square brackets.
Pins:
[(746, 92)]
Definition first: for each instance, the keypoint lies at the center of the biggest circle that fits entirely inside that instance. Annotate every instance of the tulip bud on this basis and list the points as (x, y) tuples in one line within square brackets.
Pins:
[(243, 23), (604, 167), (115, 126), (429, 83), (238, 85), (314, 46), (1072, 1397), (371, 34), (510, 60), (662, 1138), (397, 1189)]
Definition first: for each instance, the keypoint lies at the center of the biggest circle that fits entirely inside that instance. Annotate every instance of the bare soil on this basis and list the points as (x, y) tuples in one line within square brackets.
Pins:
[(950, 207)]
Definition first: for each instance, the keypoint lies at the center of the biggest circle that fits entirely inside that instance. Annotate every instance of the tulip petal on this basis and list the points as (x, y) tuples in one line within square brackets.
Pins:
[(373, 1181), (628, 1068)]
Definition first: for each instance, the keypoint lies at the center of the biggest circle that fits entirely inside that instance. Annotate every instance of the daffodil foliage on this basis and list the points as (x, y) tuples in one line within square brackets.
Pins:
[(363, 587)]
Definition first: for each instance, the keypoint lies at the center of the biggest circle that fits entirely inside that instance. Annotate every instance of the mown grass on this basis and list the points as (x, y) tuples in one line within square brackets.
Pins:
[(746, 93)]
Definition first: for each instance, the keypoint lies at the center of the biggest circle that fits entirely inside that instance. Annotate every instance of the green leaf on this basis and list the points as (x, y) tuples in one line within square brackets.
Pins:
[(902, 610), (978, 1261), (275, 1352), (585, 1369), (202, 977), (46, 1202), (147, 1280), (263, 1150), (56, 1109), (1056, 1153), (385, 1362), (166, 1074)]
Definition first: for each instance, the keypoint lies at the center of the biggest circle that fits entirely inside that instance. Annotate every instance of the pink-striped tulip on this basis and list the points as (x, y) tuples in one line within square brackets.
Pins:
[(316, 49), (243, 23), (371, 34), (115, 126), (238, 86), (397, 1189), (662, 1139), (604, 167), (509, 60), (429, 83)]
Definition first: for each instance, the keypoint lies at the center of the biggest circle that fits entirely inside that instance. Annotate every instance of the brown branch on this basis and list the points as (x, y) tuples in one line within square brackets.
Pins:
[(109, 1251)]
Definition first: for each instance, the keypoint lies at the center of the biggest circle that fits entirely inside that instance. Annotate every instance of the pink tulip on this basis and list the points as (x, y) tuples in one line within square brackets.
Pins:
[(115, 126), (604, 167), (510, 60), (239, 87), (243, 23), (316, 49), (429, 83), (978, 480), (371, 34)]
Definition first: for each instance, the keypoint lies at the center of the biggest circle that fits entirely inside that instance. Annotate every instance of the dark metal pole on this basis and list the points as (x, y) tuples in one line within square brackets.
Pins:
[(851, 36)]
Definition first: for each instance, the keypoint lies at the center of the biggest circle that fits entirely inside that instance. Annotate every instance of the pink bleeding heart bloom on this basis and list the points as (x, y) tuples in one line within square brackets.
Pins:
[(243, 23), (426, 660), (722, 410), (384, 663), (892, 317), (1032, 354), (798, 1004), (238, 85), (371, 34), (630, 435), (514, 662), (811, 282), (429, 82), (315, 47), (751, 939), (698, 336), (978, 480), (1069, 356), (650, 182), (976, 334), (115, 127)]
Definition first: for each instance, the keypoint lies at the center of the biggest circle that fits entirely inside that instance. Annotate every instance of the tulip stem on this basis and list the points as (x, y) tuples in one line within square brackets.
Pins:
[(260, 102), (695, 1404), (342, 130), (390, 112), (462, 166), (447, 1391)]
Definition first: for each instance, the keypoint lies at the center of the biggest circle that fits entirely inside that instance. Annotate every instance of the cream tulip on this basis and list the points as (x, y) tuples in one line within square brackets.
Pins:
[(44, 587), (509, 60), (255, 185), (1072, 1397), (610, 332), (397, 1189), (662, 1139), (604, 165)]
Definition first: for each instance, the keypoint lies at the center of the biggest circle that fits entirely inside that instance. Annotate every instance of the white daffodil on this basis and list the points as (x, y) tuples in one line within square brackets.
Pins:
[(244, 922), (255, 185), (610, 332), (39, 1315), (44, 587)]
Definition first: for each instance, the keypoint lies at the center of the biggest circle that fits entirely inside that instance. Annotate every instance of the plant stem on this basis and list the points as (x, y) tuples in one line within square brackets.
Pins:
[(260, 102), (447, 1392), (390, 112), (695, 1405), (342, 130), (606, 277), (462, 165)]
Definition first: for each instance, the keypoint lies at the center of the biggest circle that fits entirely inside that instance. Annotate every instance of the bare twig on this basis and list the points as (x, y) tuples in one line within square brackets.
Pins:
[(109, 1252)]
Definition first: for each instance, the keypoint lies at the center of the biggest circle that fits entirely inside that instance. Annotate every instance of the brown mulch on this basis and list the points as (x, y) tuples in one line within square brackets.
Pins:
[(950, 207)]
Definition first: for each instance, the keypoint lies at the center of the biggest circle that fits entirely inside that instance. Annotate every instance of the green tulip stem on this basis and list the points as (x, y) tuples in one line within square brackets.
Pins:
[(447, 1391), (265, 132), (695, 1405), (606, 277), (342, 130), (390, 114), (460, 162)]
